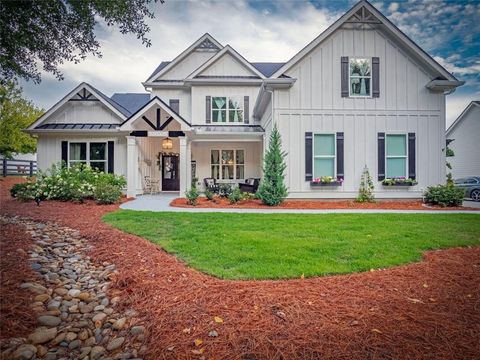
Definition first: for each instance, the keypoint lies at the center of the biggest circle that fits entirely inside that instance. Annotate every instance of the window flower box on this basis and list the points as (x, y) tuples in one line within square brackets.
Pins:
[(399, 182), (326, 181)]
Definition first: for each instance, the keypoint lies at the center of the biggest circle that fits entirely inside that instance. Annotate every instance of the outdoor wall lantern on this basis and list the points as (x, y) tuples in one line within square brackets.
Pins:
[(167, 144)]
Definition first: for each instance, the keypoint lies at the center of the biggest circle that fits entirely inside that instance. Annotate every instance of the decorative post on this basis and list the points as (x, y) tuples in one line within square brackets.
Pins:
[(132, 166), (183, 166)]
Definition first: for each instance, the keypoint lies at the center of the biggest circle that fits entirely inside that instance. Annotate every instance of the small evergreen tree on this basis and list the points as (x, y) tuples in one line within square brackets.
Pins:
[(272, 190), (365, 193)]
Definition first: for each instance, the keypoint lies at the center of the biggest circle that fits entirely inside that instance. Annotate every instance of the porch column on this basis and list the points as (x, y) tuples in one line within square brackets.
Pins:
[(183, 166), (189, 164), (132, 166)]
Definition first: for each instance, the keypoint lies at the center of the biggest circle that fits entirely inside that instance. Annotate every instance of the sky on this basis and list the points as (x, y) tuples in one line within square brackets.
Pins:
[(271, 31)]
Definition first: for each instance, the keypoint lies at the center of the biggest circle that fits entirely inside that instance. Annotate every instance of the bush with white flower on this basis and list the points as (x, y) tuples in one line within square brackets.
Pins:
[(74, 183)]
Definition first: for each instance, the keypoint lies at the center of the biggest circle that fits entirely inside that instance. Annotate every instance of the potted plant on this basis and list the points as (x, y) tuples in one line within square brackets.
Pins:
[(399, 181), (326, 181)]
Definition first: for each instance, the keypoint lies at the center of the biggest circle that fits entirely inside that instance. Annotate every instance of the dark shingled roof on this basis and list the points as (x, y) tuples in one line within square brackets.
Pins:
[(77, 126), (131, 101), (267, 68), (159, 67)]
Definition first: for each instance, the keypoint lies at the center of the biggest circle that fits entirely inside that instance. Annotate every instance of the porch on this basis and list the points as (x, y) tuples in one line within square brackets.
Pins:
[(167, 152)]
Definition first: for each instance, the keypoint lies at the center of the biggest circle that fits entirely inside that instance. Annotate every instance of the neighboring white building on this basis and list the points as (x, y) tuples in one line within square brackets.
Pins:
[(465, 133), (361, 93)]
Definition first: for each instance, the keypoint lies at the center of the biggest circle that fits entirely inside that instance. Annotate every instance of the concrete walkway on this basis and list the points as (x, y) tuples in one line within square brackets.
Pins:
[(161, 203)]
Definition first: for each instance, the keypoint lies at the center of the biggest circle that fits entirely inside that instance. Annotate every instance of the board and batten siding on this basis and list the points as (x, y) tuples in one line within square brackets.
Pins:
[(199, 94), (314, 104), (466, 161), (183, 95), (189, 64), (227, 65), (49, 149), (83, 112)]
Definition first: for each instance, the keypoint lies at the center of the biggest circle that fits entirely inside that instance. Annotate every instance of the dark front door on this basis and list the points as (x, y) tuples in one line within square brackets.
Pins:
[(170, 180)]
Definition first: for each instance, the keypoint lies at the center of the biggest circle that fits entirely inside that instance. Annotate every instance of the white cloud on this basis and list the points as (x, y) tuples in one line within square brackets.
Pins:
[(458, 70), (393, 7)]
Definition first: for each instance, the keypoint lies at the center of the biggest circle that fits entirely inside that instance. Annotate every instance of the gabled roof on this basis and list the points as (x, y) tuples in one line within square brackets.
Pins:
[(462, 115), (154, 101), (206, 41), (386, 24), (116, 108), (131, 101), (226, 50)]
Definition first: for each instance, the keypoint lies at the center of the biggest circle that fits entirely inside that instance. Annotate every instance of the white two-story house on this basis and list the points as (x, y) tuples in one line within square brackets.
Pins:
[(361, 94)]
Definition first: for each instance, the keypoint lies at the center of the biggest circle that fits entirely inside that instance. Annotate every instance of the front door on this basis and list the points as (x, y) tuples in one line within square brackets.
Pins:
[(170, 180)]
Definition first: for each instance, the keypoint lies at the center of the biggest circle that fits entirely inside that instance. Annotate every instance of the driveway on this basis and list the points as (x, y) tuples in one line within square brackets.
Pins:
[(471, 204)]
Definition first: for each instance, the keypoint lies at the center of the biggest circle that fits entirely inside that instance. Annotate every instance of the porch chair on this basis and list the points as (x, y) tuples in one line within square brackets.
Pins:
[(211, 184), (250, 185)]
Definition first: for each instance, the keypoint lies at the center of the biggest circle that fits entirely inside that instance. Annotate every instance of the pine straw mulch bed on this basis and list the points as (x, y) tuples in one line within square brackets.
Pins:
[(426, 310), (224, 203), (17, 318)]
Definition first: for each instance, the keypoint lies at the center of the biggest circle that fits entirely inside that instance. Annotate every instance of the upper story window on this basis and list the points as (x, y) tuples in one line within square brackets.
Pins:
[(360, 75), (227, 109)]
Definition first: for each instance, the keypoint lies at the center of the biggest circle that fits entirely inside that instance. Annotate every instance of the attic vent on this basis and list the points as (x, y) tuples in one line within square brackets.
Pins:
[(363, 16), (207, 44)]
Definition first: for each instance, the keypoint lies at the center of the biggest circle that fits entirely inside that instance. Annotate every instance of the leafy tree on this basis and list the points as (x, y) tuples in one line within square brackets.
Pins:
[(16, 113), (272, 190), (56, 31)]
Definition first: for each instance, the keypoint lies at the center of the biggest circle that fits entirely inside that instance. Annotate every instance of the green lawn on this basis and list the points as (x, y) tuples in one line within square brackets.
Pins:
[(273, 246)]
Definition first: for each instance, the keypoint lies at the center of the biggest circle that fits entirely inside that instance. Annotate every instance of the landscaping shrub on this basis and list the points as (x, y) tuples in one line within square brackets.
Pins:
[(272, 190), (75, 183), (106, 193), (444, 195), (18, 188), (209, 194), (235, 196), (224, 190), (192, 196), (365, 192)]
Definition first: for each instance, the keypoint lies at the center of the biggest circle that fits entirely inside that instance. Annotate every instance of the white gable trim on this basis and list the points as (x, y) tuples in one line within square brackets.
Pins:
[(69, 96), (397, 33), (183, 55), (227, 49), (127, 125), (462, 116)]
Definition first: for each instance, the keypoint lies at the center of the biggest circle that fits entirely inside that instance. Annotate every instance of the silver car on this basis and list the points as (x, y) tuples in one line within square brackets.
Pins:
[(471, 185)]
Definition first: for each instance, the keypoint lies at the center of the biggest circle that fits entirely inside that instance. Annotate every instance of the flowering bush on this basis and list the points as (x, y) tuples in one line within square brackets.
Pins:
[(77, 183), (327, 180), (399, 181)]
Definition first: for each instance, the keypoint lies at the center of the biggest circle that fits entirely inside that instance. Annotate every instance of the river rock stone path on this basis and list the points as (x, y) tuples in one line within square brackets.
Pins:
[(76, 317)]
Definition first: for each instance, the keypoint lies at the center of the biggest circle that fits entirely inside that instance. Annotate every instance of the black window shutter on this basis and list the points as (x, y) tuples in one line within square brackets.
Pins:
[(175, 105), (340, 152), (65, 153), (208, 107), (110, 154), (375, 77), (411, 156), (344, 76), (246, 110), (381, 156), (308, 156)]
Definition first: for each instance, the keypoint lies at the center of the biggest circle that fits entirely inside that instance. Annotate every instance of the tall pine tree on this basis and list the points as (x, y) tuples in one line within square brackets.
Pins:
[(272, 190)]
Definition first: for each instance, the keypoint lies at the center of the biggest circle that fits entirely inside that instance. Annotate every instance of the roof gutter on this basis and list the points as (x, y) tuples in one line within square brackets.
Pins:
[(266, 91), (445, 86)]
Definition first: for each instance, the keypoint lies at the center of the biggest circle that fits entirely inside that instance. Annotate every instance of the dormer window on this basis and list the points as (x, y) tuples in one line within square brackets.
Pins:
[(227, 109), (360, 77)]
